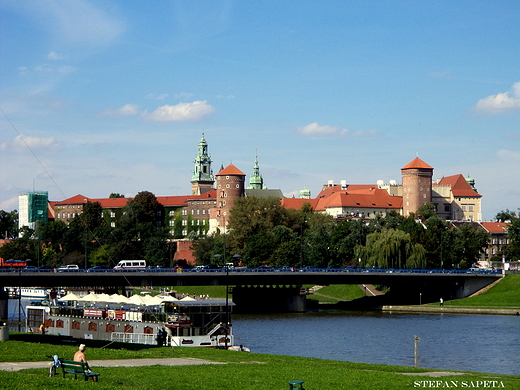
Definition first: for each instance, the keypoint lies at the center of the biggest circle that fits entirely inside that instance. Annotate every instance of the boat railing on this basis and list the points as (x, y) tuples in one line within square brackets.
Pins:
[(133, 338)]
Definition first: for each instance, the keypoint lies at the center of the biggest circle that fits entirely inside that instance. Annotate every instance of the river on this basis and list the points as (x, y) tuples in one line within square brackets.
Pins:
[(458, 342), (481, 343)]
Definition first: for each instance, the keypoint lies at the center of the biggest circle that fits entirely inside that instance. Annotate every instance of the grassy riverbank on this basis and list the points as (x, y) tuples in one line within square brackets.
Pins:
[(503, 295), (240, 371)]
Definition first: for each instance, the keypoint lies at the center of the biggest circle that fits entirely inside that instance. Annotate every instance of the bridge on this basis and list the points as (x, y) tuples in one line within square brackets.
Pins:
[(264, 288)]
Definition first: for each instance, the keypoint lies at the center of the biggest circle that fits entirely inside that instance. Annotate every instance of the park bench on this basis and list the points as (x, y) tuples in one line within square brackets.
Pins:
[(77, 368)]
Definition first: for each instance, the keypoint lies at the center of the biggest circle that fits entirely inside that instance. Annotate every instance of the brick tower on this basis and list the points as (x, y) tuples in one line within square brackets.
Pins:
[(229, 186), (417, 185)]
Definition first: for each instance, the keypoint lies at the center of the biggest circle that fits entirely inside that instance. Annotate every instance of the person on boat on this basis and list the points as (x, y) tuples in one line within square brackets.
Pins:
[(160, 337), (42, 329)]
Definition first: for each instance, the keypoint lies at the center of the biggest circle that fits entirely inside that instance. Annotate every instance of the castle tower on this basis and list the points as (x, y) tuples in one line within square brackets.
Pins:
[(417, 185), (202, 179), (256, 182), (230, 186)]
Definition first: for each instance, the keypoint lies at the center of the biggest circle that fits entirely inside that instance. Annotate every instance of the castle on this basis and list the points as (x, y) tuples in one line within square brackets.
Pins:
[(207, 208)]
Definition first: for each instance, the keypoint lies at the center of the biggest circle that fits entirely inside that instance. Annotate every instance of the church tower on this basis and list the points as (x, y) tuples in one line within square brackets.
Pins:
[(417, 185), (202, 179), (256, 181)]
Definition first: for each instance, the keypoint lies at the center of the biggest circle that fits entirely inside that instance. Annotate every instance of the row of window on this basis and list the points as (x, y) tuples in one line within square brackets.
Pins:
[(66, 215), (93, 326)]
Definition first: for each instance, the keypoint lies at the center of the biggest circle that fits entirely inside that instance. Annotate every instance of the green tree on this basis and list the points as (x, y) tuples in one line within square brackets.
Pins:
[(469, 243), (391, 248), (8, 224), (512, 251), (506, 215)]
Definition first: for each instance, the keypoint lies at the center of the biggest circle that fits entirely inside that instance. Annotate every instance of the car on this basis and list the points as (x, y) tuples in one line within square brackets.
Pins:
[(68, 268), (45, 268), (100, 268), (334, 268), (264, 268), (29, 268), (311, 268), (285, 269)]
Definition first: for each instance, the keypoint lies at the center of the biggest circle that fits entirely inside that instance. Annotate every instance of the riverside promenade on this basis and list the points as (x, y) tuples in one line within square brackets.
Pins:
[(452, 310), (17, 366)]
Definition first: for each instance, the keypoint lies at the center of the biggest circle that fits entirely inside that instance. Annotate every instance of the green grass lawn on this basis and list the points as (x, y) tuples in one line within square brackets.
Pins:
[(241, 371), (505, 294), (343, 292)]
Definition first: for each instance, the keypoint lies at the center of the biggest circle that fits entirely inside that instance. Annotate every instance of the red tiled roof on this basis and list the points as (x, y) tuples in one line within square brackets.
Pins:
[(495, 227), (459, 186), (231, 170), (297, 203), (373, 198), (77, 199), (111, 203), (417, 163)]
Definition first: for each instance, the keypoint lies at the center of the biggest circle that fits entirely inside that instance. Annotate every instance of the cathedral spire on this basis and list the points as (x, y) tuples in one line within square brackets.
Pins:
[(256, 182), (202, 179)]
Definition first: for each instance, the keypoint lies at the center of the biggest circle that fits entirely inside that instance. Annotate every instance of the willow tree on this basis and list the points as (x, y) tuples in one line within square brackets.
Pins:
[(391, 248)]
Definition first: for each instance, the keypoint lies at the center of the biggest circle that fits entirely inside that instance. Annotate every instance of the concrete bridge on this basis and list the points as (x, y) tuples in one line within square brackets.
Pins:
[(263, 289)]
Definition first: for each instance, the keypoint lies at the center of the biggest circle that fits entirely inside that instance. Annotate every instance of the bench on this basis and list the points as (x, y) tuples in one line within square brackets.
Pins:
[(77, 368)]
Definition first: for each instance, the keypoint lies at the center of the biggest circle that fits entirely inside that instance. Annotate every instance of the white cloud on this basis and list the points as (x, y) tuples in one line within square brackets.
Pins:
[(181, 112), (509, 155), (126, 110), (316, 129), (184, 95), (501, 102), (161, 96), (22, 141), (52, 69), (55, 56)]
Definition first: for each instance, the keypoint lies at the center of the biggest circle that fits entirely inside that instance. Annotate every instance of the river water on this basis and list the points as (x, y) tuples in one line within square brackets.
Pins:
[(457, 342)]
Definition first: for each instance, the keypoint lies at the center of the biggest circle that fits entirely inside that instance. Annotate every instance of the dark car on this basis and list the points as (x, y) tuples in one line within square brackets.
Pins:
[(45, 268), (311, 268), (100, 268), (264, 268)]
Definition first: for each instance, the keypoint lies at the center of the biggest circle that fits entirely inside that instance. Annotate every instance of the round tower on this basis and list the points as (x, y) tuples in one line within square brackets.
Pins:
[(229, 186), (417, 185)]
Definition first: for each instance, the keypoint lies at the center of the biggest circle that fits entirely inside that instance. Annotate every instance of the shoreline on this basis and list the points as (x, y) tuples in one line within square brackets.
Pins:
[(450, 310)]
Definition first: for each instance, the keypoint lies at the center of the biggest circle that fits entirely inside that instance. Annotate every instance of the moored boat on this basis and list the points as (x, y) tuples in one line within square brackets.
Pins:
[(187, 322)]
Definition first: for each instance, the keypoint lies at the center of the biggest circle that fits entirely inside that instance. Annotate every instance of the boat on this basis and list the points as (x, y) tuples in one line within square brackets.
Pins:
[(187, 322), (28, 292)]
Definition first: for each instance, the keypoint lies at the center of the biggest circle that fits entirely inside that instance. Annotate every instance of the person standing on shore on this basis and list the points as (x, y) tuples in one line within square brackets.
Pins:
[(442, 302)]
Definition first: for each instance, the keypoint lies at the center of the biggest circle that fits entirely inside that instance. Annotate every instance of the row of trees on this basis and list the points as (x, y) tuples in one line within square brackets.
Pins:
[(262, 233)]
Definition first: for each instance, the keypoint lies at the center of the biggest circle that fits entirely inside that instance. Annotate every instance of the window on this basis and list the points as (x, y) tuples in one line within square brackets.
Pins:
[(227, 185), (471, 207), (463, 207), (446, 207), (171, 213), (75, 325), (129, 329), (158, 213), (238, 186), (172, 222), (92, 326), (59, 324), (198, 212), (184, 212), (112, 224), (110, 328), (184, 222), (203, 211), (112, 214)]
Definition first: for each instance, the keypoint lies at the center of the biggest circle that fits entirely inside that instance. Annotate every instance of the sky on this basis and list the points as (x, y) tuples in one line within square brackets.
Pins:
[(103, 96)]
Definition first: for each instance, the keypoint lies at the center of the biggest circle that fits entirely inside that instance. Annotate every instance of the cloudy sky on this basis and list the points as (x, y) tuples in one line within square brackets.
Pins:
[(113, 96)]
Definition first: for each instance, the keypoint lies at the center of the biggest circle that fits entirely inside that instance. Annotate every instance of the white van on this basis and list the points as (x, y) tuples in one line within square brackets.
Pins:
[(131, 265)]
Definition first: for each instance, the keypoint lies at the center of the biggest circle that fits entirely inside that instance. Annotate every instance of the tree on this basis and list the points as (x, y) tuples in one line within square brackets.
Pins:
[(391, 248), (512, 251), (8, 224), (468, 244), (116, 195), (504, 216)]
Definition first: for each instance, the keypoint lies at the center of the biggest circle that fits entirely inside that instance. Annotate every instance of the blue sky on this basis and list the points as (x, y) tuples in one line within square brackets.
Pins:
[(113, 96)]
